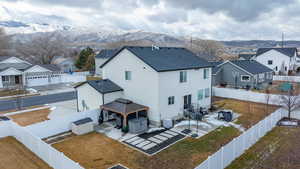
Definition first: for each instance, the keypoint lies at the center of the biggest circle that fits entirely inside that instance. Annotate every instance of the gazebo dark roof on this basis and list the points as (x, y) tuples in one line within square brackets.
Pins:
[(123, 107)]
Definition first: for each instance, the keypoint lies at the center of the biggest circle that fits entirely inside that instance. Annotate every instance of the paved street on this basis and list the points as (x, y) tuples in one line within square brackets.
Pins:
[(36, 100)]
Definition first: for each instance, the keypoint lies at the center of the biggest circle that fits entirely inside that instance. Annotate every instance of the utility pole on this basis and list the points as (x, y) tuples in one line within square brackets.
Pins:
[(282, 40)]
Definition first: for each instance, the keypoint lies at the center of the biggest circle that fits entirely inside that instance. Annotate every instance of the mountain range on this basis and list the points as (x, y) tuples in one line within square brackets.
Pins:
[(26, 25)]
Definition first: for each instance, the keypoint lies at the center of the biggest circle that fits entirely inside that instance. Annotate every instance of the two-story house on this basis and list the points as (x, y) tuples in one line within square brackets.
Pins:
[(165, 79), (280, 60)]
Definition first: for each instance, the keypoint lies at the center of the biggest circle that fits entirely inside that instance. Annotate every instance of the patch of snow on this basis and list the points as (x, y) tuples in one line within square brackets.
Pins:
[(155, 129), (237, 126), (289, 123), (193, 123)]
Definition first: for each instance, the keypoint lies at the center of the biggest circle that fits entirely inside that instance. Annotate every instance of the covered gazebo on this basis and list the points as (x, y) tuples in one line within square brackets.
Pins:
[(126, 108)]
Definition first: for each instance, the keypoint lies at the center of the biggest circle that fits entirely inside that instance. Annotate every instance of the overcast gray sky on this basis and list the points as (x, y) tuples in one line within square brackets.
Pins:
[(211, 19)]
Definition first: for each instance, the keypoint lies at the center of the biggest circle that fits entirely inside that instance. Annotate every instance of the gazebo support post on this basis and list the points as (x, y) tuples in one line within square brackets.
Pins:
[(124, 121)]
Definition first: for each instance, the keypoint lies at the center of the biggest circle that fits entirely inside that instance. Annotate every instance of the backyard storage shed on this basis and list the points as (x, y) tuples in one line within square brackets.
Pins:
[(83, 126), (94, 93)]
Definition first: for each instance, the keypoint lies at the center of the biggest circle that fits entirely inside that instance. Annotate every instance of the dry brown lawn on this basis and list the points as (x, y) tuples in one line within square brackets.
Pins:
[(96, 151), (250, 112), (14, 110), (274, 88), (15, 155), (28, 118), (279, 149)]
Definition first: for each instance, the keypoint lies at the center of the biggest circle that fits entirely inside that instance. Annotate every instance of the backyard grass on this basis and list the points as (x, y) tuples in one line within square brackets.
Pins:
[(250, 112), (12, 92), (279, 149), (28, 118), (15, 155), (95, 150)]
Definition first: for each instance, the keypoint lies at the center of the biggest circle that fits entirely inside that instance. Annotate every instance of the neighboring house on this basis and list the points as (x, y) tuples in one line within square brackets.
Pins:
[(167, 80), (65, 64), (281, 60), (242, 74), (246, 56), (102, 57), (15, 72)]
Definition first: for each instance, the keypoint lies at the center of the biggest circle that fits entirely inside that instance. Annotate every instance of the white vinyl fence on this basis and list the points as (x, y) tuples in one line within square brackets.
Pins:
[(47, 153), (228, 153), (61, 124), (287, 78), (241, 94)]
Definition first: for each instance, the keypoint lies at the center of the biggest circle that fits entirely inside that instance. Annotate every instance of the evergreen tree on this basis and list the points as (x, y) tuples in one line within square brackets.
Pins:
[(83, 58)]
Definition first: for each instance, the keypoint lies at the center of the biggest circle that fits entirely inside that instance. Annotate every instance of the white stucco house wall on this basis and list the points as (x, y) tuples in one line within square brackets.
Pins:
[(16, 72), (164, 79), (101, 58), (280, 60)]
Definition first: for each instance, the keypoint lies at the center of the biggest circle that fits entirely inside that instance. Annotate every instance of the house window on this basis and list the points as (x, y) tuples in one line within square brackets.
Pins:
[(207, 93), (200, 94), (5, 79), (276, 68), (285, 68), (127, 75), (270, 62), (171, 100), (245, 78), (205, 73), (183, 77)]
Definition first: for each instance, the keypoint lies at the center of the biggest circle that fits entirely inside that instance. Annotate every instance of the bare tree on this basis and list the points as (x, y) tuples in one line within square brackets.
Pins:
[(290, 101), (44, 48), (212, 50), (4, 42)]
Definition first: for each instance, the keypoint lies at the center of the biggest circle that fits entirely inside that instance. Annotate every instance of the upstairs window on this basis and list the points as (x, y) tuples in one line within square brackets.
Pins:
[(205, 73), (171, 100), (183, 77), (270, 62), (128, 75)]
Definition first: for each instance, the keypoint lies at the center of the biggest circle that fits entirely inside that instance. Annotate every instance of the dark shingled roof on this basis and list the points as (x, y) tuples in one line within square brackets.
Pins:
[(286, 51), (215, 68), (83, 121), (103, 86), (51, 67), (252, 66), (107, 53), (123, 106), (247, 56), (166, 58), (18, 66)]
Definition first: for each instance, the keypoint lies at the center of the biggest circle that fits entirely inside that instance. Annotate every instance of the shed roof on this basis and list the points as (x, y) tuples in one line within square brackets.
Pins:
[(103, 86), (286, 51), (83, 121), (123, 106), (165, 58)]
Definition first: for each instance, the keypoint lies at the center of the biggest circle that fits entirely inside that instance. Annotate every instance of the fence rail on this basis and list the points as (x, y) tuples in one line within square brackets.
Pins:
[(50, 155), (287, 78), (228, 153)]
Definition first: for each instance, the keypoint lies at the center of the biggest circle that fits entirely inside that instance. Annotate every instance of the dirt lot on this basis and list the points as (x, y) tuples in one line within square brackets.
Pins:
[(28, 118), (98, 151), (250, 112), (279, 149), (15, 155)]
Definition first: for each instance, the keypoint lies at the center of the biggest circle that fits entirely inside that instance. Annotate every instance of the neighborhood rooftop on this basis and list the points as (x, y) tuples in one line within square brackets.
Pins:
[(107, 53), (286, 51), (251, 66), (246, 56), (103, 86), (166, 58)]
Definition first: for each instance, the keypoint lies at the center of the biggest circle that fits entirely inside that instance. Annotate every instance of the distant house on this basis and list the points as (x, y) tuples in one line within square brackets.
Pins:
[(102, 57), (65, 64), (15, 72), (280, 60), (166, 80), (242, 74), (246, 56)]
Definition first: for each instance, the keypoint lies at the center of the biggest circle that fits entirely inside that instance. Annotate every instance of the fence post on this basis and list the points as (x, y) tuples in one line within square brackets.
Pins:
[(222, 157)]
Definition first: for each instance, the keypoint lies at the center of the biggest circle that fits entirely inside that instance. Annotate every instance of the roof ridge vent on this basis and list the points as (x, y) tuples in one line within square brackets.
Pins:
[(155, 47)]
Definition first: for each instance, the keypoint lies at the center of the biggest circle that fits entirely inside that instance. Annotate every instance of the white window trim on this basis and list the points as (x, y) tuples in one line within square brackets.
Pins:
[(245, 80), (172, 100), (184, 79)]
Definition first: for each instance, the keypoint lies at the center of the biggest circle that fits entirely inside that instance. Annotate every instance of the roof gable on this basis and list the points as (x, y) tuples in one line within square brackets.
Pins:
[(286, 51), (10, 71), (37, 68), (165, 58), (13, 60)]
